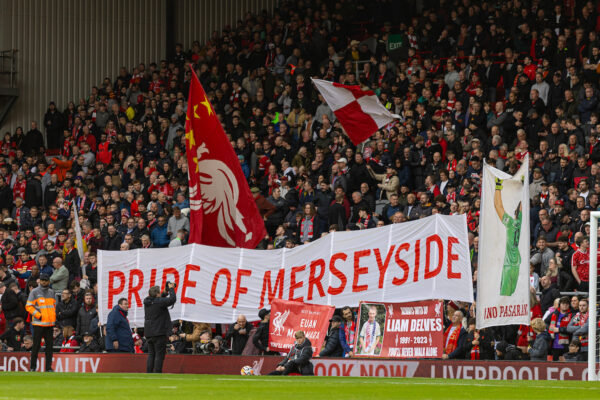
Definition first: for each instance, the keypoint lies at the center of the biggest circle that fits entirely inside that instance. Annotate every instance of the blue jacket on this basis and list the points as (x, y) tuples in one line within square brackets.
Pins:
[(345, 345), (118, 329), (159, 236)]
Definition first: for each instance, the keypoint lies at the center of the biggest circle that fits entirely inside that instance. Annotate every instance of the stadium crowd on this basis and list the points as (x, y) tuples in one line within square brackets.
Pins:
[(472, 81)]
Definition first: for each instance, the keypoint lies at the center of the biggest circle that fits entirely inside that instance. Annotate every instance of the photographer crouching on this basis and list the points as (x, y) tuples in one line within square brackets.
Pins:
[(157, 324)]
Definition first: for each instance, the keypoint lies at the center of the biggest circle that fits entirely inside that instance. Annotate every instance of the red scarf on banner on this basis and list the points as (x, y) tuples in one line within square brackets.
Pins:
[(451, 338)]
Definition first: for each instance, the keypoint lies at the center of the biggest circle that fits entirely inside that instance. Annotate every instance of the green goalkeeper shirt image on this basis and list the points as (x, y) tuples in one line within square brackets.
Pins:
[(512, 256)]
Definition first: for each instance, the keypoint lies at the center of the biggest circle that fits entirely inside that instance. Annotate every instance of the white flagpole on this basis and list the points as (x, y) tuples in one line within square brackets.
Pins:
[(78, 233)]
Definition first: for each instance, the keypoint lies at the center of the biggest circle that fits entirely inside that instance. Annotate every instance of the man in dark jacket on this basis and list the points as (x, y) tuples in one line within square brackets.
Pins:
[(72, 260), (261, 337), (13, 302), (298, 359), (239, 334), (118, 331), (549, 293), (87, 312), (14, 335), (157, 325), (333, 347), (66, 309)]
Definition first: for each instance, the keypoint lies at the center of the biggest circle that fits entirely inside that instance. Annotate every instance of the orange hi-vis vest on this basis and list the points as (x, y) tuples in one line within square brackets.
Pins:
[(41, 304)]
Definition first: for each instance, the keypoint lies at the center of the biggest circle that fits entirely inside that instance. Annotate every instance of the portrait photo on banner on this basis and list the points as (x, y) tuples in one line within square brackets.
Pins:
[(371, 328)]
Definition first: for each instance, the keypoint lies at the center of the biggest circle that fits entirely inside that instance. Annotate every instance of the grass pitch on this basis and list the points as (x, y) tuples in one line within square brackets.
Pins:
[(22, 385)]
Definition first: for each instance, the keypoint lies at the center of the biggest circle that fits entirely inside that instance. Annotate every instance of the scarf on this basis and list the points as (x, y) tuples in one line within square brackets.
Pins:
[(310, 227), (349, 331), (365, 221), (475, 352), (563, 339), (580, 320), (451, 338), (370, 336)]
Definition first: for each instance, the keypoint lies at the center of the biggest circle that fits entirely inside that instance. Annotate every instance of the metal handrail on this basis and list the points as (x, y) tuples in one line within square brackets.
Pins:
[(11, 70)]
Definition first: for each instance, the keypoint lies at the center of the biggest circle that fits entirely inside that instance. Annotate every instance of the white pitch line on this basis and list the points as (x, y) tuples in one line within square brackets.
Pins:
[(379, 381)]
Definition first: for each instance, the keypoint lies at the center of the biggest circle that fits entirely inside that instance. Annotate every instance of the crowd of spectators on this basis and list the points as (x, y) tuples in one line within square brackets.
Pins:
[(471, 81)]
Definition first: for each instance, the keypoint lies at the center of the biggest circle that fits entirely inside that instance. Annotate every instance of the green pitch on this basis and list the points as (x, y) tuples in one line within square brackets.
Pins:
[(170, 387)]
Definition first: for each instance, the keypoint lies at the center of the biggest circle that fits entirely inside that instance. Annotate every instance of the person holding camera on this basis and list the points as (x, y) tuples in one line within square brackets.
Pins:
[(157, 324)]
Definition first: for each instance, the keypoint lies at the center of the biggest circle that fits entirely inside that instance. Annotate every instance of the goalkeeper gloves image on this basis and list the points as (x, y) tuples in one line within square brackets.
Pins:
[(498, 184)]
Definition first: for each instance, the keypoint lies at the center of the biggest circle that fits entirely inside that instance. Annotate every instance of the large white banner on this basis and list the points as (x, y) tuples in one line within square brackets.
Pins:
[(418, 260), (503, 264)]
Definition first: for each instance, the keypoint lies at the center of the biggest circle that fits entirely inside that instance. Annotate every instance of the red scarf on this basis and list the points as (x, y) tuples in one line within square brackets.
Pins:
[(564, 322), (475, 351), (349, 331), (310, 227), (451, 339)]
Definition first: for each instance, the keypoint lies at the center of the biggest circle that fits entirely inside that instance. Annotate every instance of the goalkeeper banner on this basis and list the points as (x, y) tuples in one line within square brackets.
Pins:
[(503, 263)]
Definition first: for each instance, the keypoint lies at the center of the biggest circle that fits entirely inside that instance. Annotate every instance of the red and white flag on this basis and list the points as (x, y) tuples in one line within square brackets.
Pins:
[(359, 111), (222, 209)]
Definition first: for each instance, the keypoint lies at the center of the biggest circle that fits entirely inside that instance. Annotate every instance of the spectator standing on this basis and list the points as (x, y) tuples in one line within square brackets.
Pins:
[(455, 337), (66, 310), (13, 302), (541, 345), (348, 331), (333, 347), (238, 333), (157, 325), (261, 337), (579, 327), (86, 314), (560, 319), (60, 276), (42, 307), (118, 332)]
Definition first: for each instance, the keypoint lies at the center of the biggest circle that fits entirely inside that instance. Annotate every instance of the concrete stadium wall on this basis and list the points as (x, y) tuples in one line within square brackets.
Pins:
[(68, 46), (196, 20)]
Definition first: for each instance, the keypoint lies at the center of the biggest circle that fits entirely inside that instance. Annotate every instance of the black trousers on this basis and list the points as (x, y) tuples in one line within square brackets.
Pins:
[(289, 369), (157, 348), (39, 332)]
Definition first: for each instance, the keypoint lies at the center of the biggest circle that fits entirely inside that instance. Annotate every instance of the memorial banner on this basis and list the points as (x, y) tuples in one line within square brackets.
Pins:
[(400, 330), (503, 265), (287, 317), (416, 260)]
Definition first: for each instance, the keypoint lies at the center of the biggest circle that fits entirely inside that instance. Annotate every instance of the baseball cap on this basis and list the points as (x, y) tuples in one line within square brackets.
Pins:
[(336, 318), (559, 202), (44, 277), (263, 313)]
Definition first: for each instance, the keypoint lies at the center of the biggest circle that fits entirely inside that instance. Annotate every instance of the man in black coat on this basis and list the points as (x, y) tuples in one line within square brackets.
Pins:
[(549, 293), (6, 196), (34, 141), (239, 333), (13, 302), (33, 191), (53, 122), (66, 310), (298, 359), (72, 260), (333, 347), (87, 312), (261, 337), (157, 325)]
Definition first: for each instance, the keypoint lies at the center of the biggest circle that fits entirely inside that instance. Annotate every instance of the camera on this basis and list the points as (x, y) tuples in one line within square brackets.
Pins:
[(206, 348), (165, 293)]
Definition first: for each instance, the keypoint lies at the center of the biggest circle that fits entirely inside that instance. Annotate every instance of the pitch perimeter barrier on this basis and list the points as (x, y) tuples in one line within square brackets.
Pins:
[(231, 365)]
